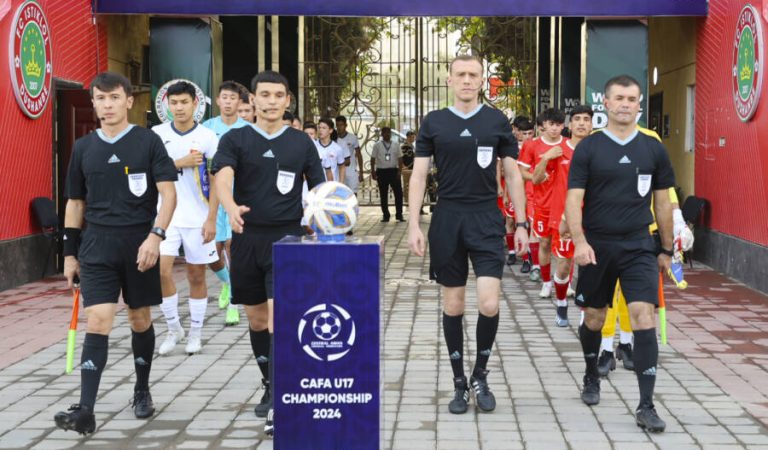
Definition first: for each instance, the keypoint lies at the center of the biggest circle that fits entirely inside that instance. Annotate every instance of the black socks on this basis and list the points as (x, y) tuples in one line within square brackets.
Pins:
[(143, 345), (92, 363), (485, 335), (260, 343), (645, 356), (453, 331), (590, 344)]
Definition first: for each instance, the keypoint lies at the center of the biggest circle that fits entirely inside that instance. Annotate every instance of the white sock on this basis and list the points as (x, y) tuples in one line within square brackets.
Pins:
[(197, 307), (607, 344), (625, 337), (170, 309)]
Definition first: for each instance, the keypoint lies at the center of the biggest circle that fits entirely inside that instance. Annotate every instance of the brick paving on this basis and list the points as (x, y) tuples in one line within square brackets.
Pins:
[(711, 388)]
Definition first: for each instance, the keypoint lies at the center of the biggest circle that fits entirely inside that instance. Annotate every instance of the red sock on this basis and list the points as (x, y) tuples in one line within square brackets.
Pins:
[(511, 242), (534, 253), (561, 290), (526, 256), (546, 276)]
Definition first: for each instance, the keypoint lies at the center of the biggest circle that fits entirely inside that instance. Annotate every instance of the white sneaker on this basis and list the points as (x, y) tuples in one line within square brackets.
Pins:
[(546, 290), (171, 339), (570, 292), (194, 344)]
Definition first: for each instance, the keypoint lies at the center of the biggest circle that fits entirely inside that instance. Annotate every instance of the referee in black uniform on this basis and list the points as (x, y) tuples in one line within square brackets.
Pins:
[(466, 140), (113, 182), (615, 174), (268, 163)]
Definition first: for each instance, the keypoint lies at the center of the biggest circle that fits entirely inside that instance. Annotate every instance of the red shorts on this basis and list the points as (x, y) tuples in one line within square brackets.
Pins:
[(540, 224), (562, 248), (508, 210)]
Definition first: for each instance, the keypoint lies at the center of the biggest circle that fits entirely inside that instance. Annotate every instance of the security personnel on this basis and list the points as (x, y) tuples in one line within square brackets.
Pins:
[(268, 162), (466, 140), (386, 163), (113, 182), (615, 174)]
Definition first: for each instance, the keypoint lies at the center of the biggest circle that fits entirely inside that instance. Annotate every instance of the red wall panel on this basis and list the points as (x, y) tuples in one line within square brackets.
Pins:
[(734, 177), (26, 159)]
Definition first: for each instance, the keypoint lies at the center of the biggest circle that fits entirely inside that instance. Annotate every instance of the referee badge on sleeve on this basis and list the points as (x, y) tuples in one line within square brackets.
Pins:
[(137, 183), (643, 184), (484, 156), (285, 181)]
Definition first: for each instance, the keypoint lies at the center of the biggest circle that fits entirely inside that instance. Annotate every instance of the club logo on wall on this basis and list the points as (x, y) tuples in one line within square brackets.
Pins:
[(326, 332), (747, 68), (30, 53), (161, 102)]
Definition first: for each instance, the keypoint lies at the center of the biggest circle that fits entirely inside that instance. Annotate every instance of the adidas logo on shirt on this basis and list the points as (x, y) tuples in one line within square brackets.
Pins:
[(113, 159), (465, 133), (268, 154), (624, 160), (88, 365)]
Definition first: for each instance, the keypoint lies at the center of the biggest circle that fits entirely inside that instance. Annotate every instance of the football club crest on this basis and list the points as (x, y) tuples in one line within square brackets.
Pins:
[(30, 53), (747, 65), (161, 102)]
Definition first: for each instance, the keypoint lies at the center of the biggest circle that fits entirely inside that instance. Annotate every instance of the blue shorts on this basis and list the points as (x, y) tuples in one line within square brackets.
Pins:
[(223, 229)]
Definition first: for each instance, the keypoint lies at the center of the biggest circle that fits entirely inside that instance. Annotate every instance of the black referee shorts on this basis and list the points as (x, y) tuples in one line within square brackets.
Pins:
[(631, 260), (456, 234), (250, 269), (108, 265)]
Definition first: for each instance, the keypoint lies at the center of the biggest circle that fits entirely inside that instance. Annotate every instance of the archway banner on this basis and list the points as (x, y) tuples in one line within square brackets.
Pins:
[(529, 8)]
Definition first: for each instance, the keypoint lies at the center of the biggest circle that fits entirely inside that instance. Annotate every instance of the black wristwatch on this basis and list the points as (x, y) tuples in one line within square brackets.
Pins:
[(669, 253), (158, 231), (522, 224)]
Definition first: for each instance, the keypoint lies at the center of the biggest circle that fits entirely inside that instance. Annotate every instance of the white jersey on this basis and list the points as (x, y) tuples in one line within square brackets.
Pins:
[(332, 156), (349, 142), (192, 187)]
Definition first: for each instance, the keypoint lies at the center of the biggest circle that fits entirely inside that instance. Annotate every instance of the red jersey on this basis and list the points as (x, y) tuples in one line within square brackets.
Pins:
[(559, 185), (530, 157)]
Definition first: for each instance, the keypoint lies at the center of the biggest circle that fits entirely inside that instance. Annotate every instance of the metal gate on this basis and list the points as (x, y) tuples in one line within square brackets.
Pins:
[(392, 71)]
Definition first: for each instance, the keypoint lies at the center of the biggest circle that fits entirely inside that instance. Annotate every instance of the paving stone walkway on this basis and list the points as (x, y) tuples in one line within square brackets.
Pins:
[(711, 389)]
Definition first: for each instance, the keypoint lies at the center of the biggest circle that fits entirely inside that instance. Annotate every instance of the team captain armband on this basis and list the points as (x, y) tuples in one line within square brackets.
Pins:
[(71, 241)]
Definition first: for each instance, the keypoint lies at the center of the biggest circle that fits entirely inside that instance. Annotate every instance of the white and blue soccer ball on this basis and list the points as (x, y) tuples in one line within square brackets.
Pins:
[(331, 208), (326, 325)]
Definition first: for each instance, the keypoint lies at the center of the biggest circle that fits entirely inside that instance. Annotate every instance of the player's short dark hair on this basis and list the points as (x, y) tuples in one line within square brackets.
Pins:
[(244, 97), (525, 125), (553, 115), (622, 80), (518, 120), (109, 81), (232, 86), (465, 58), (327, 121), (341, 119), (288, 116), (410, 133), (308, 124), (383, 129), (269, 76), (182, 87), (583, 109)]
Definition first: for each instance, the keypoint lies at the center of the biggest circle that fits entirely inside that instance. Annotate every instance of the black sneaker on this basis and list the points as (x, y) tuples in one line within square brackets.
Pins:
[(142, 404), (400, 219), (526, 266), (386, 219), (483, 395), (606, 363), (647, 419), (79, 418), (624, 354), (511, 259), (591, 393), (269, 425), (459, 404), (265, 403)]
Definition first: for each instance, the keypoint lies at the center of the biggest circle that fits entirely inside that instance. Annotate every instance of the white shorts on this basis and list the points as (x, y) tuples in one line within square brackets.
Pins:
[(195, 252)]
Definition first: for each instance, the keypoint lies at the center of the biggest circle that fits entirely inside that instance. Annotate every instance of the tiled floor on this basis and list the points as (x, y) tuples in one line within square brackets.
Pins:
[(711, 389)]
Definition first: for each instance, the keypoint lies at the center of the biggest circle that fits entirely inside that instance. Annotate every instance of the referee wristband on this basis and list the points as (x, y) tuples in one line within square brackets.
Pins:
[(71, 241)]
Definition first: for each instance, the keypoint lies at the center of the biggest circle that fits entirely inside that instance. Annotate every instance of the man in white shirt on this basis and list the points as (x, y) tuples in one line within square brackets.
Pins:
[(193, 224), (333, 153)]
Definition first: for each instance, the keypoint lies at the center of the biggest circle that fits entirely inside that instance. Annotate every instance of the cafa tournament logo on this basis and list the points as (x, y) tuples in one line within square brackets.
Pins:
[(327, 332), (747, 65), (31, 54), (161, 102)]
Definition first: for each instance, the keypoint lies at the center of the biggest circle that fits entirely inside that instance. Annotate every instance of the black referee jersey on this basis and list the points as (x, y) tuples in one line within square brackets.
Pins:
[(619, 178), (269, 172), (466, 147), (116, 177)]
